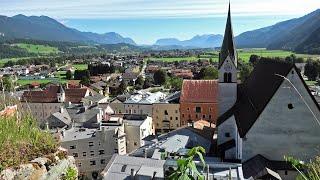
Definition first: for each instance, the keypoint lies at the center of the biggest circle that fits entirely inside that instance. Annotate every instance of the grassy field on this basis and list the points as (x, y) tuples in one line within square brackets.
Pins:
[(243, 54), (3, 61), (80, 66), (38, 49), (311, 83), (176, 59), (23, 82), (60, 77)]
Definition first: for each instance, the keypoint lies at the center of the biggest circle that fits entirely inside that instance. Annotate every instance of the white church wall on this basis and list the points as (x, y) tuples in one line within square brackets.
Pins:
[(227, 130), (281, 131)]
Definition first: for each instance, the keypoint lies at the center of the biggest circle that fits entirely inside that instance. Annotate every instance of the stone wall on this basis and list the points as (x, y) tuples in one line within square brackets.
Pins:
[(51, 167)]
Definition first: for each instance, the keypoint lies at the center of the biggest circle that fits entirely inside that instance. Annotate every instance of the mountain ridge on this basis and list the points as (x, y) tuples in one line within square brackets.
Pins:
[(286, 35), (46, 28)]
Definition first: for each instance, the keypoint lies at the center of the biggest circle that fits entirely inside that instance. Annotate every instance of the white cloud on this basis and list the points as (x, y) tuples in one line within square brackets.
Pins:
[(64, 9)]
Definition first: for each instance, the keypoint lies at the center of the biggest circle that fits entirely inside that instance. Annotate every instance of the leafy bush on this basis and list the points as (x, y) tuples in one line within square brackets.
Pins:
[(71, 174), (187, 169), (309, 171)]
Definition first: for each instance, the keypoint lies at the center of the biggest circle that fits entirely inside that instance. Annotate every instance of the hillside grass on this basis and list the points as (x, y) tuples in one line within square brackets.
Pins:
[(38, 49), (3, 61), (21, 140)]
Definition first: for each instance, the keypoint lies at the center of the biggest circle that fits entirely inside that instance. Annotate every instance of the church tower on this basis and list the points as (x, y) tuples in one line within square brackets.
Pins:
[(227, 69)]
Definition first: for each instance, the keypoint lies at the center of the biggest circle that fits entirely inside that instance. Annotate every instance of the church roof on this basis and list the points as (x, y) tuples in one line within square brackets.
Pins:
[(259, 166), (199, 91), (255, 93), (228, 46)]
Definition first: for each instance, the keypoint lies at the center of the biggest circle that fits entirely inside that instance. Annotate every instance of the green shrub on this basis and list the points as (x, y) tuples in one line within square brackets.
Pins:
[(71, 174), (21, 140)]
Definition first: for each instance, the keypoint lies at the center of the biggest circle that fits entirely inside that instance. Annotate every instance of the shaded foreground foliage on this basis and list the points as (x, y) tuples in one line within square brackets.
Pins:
[(21, 140)]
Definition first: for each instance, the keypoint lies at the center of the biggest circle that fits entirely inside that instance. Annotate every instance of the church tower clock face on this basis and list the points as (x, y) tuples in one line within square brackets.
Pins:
[(227, 67)]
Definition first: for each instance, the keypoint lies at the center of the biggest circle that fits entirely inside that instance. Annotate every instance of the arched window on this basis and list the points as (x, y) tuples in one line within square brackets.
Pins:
[(225, 77), (229, 77)]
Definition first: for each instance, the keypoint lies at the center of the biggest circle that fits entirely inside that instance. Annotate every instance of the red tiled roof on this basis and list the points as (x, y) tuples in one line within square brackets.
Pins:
[(46, 96), (75, 95), (199, 91), (49, 95)]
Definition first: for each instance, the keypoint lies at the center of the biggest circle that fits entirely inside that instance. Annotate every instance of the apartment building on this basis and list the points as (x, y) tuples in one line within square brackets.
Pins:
[(93, 148)]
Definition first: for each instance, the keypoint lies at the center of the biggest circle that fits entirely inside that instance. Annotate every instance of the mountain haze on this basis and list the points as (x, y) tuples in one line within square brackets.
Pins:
[(46, 28), (203, 41)]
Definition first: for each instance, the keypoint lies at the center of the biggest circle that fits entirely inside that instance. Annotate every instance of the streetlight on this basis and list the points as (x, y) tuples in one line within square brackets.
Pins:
[(315, 117)]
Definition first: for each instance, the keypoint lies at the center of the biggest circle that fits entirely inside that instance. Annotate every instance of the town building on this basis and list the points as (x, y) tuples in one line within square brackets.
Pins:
[(93, 148), (142, 102), (137, 127), (176, 143), (129, 167), (199, 101), (166, 114), (43, 103), (117, 104), (270, 115)]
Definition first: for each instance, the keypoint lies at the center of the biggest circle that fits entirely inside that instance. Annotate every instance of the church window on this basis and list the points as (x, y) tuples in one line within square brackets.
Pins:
[(290, 106), (229, 77), (198, 109), (227, 134), (225, 77)]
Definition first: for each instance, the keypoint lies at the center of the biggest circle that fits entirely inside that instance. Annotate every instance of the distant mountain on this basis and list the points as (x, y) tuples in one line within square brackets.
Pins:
[(46, 28), (284, 35), (311, 45), (203, 41)]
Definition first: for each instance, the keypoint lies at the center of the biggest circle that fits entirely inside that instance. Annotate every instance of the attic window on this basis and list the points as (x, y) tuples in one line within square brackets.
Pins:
[(290, 106)]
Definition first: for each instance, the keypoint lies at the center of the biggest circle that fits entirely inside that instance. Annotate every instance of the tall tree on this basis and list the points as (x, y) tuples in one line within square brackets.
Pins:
[(208, 73), (160, 77), (122, 87), (311, 70), (68, 75), (245, 71)]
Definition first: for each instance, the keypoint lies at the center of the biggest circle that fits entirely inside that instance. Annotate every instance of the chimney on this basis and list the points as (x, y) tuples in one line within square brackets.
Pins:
[(133, 173)]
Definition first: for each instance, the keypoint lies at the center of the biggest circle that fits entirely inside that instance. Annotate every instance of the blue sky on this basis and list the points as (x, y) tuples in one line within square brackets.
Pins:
[(148, 20)]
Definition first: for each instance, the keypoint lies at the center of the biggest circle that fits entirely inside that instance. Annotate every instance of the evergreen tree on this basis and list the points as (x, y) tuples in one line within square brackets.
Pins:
[(160, 77)]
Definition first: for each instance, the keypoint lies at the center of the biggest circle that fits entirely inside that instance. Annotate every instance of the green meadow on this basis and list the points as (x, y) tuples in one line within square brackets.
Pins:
[(38, 49), (243, 54)]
